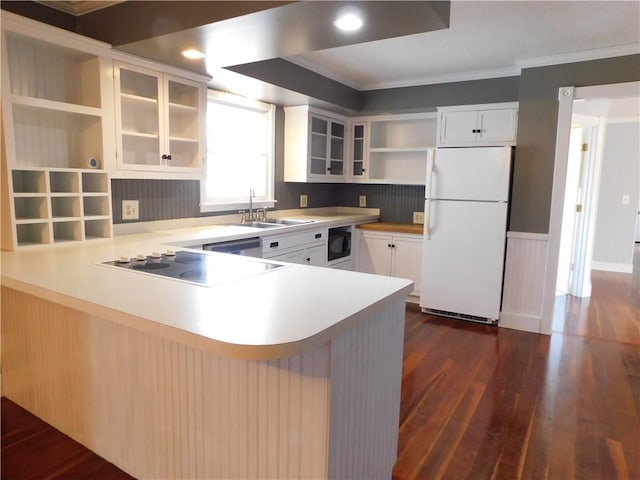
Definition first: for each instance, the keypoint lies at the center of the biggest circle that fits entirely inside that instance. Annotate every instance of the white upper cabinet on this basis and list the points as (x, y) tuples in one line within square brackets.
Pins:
[(478, 125), (159, 120), (314, 145), (391, 149)]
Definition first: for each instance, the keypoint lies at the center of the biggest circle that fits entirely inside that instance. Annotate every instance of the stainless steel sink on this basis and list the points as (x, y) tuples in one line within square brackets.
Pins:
[(258, 225), (287, 221), (273, 223)]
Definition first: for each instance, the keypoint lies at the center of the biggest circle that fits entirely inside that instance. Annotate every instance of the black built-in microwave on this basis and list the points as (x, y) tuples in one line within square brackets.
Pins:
[(339, 245)]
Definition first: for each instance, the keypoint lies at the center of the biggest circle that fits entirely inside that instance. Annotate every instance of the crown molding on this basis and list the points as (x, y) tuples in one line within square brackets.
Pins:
[(449, 78), (585, 55)]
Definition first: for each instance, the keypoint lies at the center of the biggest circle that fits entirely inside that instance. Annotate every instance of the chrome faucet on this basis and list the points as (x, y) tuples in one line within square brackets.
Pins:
[(251, 195)]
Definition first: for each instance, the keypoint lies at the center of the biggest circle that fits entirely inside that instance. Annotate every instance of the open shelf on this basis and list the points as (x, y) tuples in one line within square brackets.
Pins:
[(96, 206), (403, 133), (95, 182), (50, 138), (65, 207), (32, 234), (64, 182), (67, 231), (29, 181), (398, 167), (42, 70), (31, 208), (97, 228)]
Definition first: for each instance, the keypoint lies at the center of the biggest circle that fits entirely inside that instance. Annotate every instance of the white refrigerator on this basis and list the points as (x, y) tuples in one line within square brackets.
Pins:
[(465, 223)]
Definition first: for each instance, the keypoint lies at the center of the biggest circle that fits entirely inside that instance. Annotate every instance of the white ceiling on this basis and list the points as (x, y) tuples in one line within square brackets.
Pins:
[(486, 39)]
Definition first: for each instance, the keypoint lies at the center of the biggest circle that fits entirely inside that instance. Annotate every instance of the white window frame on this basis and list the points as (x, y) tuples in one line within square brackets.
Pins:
[(268, 200)]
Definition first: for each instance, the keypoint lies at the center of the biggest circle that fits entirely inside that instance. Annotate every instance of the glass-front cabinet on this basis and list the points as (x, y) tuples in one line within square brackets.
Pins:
[(159, 120), (315, 146)]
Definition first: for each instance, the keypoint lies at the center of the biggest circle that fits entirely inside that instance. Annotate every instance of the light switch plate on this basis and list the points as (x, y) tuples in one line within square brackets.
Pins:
[(130, 209), (418, 217), (303, 201), (362, 201)]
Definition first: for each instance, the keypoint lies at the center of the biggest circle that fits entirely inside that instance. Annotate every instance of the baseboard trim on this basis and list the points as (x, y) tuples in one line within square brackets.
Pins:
[(612, 267), (518, 321)]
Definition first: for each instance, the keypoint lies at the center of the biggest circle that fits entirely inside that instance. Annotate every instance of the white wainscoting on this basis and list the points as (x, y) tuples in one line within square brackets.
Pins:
[(160, 409), (524, 281)]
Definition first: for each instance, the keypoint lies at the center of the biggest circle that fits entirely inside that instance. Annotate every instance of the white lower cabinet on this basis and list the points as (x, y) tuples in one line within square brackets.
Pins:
[(315, 256), (395, 255), (306, 248)]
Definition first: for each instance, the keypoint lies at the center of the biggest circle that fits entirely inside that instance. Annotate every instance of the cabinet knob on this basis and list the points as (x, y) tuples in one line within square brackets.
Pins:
[(164, 157), (308, 259), (168, 157), (328, 169)]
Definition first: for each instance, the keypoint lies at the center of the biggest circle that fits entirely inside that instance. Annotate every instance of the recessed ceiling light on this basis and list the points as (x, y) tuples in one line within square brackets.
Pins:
[(348, 22), (192, 54)]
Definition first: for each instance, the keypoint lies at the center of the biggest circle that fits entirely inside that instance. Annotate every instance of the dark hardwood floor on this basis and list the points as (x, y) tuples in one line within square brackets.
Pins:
[(478, 402)]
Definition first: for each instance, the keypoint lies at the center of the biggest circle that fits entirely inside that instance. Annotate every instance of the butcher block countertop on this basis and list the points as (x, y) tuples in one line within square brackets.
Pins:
[(414, 228)]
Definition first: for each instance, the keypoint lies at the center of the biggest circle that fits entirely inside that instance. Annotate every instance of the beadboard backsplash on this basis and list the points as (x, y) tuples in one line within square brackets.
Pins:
[(170, 199)]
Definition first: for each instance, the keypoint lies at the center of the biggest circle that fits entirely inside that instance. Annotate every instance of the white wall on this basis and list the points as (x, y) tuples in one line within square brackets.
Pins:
[(616, 222)]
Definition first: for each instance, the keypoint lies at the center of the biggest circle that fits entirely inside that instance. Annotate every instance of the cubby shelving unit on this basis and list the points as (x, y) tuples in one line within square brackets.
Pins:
[(60, 205), (54, 121)]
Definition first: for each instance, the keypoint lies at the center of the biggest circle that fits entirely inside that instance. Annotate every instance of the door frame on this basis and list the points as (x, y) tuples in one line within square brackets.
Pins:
[(566, 96)]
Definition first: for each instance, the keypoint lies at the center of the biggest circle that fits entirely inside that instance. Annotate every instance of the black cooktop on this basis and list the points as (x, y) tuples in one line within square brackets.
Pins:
[(198, 268)]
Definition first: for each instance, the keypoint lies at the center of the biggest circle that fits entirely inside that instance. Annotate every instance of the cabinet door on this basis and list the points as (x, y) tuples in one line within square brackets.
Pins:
[(296, 256), (139, 119), (318, 148), (358, 168), (497, 125), (407, 260), (184, 124), (336, 149), (458, 127), (374, 254), (316, 256)]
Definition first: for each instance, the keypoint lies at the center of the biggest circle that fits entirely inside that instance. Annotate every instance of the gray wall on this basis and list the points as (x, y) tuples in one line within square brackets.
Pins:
[(535, 151), (620, 175), (537, 123)]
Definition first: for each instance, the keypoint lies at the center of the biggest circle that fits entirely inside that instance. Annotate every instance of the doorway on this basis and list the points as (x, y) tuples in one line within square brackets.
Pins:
[(586, 142), (569, 97)]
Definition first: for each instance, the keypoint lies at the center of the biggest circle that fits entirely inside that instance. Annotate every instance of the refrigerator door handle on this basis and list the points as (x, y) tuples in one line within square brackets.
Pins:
[(427, 209)]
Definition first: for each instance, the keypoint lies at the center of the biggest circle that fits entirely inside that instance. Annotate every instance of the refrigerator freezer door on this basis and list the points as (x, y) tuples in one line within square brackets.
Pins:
[(462, 263), (481, 173)]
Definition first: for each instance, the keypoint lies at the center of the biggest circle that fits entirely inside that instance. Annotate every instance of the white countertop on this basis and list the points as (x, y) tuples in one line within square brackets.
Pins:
[(271, 315)]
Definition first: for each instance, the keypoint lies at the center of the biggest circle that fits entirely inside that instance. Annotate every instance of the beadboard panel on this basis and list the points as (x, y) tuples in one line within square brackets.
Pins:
[(156, 409), (364, 433), (524, 281)]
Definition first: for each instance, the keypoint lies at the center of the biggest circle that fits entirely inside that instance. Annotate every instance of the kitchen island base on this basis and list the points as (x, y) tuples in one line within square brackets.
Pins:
[(158, 408)]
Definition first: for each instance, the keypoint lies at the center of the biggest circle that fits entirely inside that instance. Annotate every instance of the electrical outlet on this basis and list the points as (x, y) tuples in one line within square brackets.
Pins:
[(130, 209), (418, 217), (626, 199), (362, 201), (303, 201)]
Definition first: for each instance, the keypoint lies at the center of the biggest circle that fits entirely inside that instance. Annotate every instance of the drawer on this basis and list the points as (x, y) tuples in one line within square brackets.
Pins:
[(284, 242)]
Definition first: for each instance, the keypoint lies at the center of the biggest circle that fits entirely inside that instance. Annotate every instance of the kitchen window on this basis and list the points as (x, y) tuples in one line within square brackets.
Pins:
[(240, 142)]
